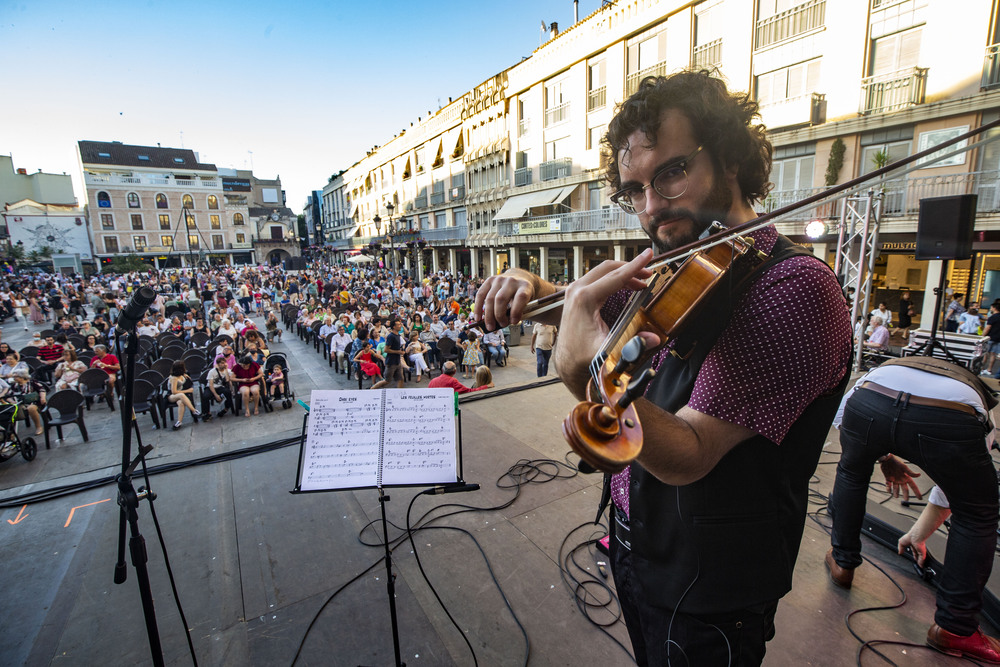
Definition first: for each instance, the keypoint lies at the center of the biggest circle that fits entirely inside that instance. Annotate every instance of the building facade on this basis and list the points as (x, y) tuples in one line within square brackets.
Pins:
[(166, 206), (843, 88)]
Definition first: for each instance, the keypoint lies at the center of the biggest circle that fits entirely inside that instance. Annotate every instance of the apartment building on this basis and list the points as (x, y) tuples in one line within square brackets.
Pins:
[(167, 206), (842, 87)]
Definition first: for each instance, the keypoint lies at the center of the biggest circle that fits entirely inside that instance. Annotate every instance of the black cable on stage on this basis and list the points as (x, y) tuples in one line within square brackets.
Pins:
[(871, 643)]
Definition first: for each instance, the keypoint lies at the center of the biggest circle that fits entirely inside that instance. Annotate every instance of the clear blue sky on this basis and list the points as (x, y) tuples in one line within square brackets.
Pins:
[(306, 86)]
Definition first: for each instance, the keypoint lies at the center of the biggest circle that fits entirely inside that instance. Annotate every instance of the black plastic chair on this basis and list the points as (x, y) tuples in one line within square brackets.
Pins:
[(28, 351), (173, 352), (145, 398), (162, 366), (155, 378), (93, 384), (194, 365), (447, 350), (199, 339), (61, 409)]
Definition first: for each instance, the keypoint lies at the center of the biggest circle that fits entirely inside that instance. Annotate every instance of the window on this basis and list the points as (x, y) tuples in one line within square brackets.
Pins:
[(104, 155), (241, 237), (103, 200), (556, 104), (136, 221), (188, 201), (191, 222), (144, 158), (167, 241), (793, 174), (237, 218), (594, 136), (879, 155), (218, 242), (214, 220), (193, 241), (107, 221), (110, 244), (594, 189), (178, 160), (895, 52), (596, 86), (213, 202), (440, 220), (164, 221), (139, 243), (133, 200), (557, 148), (788, 82), (161, 200)]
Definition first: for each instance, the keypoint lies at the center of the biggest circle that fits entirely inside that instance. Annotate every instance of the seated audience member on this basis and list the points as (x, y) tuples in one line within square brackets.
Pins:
[(29, 394), (247, 376), (219, 381), (878, 341), (447, 379), (106, 362), (484, 378)]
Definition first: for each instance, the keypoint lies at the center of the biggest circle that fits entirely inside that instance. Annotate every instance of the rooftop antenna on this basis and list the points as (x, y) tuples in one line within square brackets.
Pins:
[(251, 159), (182, 138)]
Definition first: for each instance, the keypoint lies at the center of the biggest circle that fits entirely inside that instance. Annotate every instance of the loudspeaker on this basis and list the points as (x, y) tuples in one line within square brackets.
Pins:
[(944, 227)]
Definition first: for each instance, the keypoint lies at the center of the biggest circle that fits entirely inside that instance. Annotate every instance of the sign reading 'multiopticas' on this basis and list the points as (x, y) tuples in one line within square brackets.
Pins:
[(537, 226), (235, 184)]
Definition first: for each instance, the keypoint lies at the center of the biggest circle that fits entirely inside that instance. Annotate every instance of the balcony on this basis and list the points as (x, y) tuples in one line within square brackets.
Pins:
[(522, 176), (523, 127), (557, 114), (437, 198), (901, 197), (597, 98), (600, 220), (560, 168), (893, 91), (708, 55), (420, 202), (790, 23), (458, 193), (457, 233), (169, 181), (801, 110), (991, 68), (632, 80)]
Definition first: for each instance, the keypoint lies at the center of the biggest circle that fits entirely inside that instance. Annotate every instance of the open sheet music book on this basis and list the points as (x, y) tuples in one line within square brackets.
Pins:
[(388, 437)]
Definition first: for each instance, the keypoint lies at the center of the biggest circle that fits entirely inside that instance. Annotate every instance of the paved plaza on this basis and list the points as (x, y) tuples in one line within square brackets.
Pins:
[(255, 564)]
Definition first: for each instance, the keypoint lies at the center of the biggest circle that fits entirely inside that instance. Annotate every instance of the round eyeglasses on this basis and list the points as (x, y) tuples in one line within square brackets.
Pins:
[(670, 182)]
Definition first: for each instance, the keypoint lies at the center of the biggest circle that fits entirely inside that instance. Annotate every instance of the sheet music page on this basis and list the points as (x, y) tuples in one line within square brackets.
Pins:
[(420, 442), (342, 443)]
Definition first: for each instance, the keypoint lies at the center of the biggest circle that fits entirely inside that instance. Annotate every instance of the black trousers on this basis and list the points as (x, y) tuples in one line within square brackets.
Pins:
[(660, 636), (949, 446)]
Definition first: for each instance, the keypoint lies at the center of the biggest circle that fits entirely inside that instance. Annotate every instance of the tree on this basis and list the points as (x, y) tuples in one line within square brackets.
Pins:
[(128, 263), (15, 252)]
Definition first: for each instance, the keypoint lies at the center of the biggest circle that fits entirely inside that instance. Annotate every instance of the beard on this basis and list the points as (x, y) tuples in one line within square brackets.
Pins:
[(689, 224)]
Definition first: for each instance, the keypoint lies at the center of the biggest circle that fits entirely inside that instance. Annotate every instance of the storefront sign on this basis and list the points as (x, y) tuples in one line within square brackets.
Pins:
[(898, 246), (538, 226)]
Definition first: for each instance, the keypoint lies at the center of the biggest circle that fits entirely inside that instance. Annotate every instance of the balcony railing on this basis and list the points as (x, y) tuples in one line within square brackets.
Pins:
[(420, 202), (122, 179), (632, 80), (560, 168), (600, 220), (457, 233), (556, 114), (523, 127), (707, 55), (458, 193), (790, 23), (597, 98), (522, 176), (437, 198), (893, 91), (991, 67), (901, 197)]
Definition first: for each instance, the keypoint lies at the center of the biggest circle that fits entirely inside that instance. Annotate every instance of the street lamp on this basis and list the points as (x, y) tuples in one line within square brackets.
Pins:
[(389, 231)]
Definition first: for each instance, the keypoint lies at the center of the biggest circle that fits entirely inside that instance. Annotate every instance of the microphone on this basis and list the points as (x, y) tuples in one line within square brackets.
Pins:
[(454, 488), (137, 306)]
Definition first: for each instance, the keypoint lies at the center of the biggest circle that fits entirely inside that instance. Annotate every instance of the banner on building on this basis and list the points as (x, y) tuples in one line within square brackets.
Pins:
[(538, 226)]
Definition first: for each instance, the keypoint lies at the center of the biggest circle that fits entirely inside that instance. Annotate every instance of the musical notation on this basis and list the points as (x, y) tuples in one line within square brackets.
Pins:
[(379, 438)]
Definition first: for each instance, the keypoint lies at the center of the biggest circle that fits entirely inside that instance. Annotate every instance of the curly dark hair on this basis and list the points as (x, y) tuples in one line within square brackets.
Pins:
[(722, 122)]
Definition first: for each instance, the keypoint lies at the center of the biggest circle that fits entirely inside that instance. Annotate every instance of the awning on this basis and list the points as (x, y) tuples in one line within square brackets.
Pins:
[(519, 206), (359, 259)]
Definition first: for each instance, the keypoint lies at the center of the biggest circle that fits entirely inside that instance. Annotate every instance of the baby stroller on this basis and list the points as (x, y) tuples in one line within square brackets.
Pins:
[(278, 359), (12, 444)]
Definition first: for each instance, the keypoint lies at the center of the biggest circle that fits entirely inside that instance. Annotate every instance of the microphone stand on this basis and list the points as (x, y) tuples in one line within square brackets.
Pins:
[(128, 502), (390, 578)]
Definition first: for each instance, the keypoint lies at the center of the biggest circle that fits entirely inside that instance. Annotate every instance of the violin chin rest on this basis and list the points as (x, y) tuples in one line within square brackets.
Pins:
[(609, 450)]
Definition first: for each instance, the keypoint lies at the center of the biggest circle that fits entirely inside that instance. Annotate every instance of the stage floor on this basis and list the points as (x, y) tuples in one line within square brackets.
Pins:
[(256, 566)]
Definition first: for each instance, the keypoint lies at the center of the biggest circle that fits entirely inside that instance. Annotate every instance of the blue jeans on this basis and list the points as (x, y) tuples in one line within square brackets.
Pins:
[(497, 352), (542, 361), (950, 447)]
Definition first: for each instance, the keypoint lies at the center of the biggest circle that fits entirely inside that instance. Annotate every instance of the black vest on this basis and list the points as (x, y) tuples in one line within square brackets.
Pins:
[(734, 533)]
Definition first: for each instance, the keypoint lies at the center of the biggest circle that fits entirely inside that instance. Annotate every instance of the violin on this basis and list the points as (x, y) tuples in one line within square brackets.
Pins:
[(605, 430)]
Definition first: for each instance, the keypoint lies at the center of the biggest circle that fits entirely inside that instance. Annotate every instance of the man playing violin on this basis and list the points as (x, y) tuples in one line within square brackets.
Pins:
[(708, 518)]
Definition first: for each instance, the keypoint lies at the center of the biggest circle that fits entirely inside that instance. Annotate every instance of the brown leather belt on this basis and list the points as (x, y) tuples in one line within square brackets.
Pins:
[(919, 400)]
